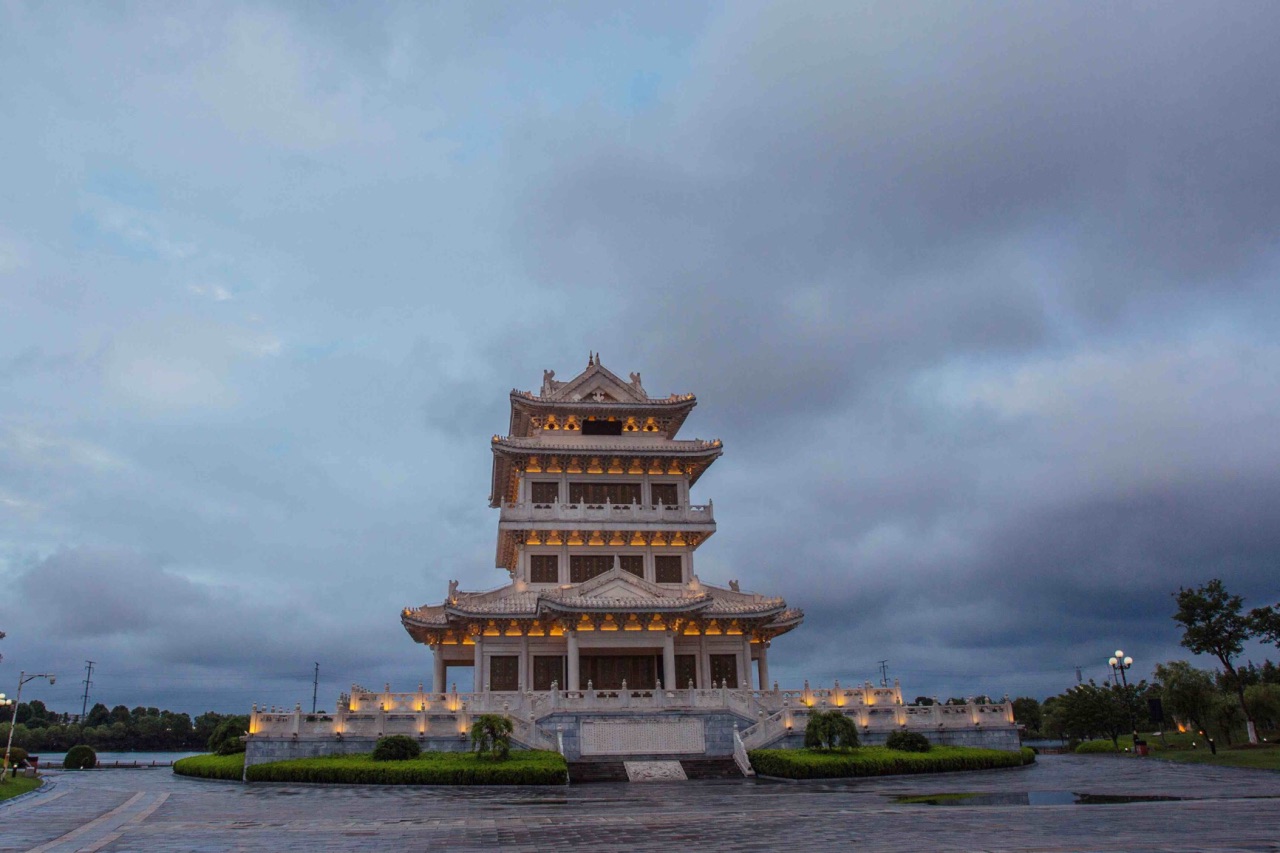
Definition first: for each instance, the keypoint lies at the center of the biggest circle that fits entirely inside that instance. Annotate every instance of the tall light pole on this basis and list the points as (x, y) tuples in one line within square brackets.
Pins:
[(1119, 663), (23, 678)]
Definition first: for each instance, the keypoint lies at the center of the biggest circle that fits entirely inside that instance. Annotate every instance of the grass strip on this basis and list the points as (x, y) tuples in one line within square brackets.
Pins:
[(879, 761), (11, 788)]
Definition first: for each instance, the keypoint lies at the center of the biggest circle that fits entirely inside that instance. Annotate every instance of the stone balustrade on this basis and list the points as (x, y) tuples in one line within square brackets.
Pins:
[(584, 514), (367, 714)]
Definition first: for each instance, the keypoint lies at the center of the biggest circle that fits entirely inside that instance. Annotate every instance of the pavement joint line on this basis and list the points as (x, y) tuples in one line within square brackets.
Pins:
[(91, 825), (137, 819), (22, 804)]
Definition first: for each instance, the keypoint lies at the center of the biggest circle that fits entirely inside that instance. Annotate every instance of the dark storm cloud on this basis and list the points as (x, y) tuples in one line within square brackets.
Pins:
[(976, 295)]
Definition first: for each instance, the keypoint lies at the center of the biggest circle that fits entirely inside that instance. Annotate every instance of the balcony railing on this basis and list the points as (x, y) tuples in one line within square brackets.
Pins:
[(606, 513)]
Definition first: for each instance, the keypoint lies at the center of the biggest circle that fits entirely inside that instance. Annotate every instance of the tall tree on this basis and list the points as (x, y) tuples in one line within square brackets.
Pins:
[(1189, 692), (1214, 623)]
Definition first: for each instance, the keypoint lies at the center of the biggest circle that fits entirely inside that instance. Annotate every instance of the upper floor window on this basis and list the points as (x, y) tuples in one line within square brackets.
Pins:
[(668, 569), (598, 493), (544, 568), (546, 493), (584, 567), (668, 494)]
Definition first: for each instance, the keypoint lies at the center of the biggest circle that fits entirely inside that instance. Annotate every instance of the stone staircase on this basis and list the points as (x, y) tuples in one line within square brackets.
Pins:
[(614, 770)]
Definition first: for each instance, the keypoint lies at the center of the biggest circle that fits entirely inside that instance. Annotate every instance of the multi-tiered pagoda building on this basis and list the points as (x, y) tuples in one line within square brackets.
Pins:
[(598, 533)]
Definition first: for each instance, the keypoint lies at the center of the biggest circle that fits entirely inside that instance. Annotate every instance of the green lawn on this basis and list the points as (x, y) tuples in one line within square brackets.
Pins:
[(431, 768), (1263, 757), (879, 761), (13, 787)]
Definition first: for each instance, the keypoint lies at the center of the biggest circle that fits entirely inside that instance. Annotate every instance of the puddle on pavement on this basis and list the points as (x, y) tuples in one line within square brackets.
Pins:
[(1030, 798)]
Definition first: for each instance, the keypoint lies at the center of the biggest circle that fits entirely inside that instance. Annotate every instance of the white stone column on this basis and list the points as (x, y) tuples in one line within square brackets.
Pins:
[(572, 637), (437, 672), (744, 678), (669, 661), (764, 665), (704, 664), (524, 663), (479, 666)]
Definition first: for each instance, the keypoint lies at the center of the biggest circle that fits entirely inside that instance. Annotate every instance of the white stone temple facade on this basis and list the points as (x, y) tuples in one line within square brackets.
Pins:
[(604, 643), (598, 532)]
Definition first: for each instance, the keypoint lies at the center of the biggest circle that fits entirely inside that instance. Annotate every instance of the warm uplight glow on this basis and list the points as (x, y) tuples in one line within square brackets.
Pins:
[(533, 466), (616, 539), (575, 538), (533, 538), (596, 538), (615, 466), (575, 465), (553, 538), (637, 538), (658, 539), (553, 467), (636, 467), (594, 466)]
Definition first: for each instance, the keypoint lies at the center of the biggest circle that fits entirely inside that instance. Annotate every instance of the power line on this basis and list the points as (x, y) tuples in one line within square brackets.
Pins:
[(88, 680)]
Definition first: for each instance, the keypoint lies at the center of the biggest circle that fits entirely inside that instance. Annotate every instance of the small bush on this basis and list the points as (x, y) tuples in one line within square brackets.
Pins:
[(908, 742), (228, 767), (80, 758), (491, 736), (830, 730), (16, 756), (396, 748)]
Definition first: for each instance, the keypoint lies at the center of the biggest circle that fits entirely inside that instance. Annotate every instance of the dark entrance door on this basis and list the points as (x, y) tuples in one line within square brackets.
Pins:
[(504, 672), (686, 671), (548, 669), (724, 668), (607, 672)]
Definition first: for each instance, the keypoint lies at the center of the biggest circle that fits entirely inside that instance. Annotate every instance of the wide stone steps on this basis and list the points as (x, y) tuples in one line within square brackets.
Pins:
[(582, 772)]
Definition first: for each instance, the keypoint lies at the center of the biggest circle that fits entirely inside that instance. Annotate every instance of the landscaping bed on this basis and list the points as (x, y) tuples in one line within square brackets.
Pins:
[(879, 761), (431, 768), (229, 767)]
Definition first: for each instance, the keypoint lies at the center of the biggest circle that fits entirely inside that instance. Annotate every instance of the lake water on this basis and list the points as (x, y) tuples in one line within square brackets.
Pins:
[(123, 757)]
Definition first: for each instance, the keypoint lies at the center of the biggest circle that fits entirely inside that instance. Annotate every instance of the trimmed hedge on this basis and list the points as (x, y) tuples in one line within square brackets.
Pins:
[(532, 767), (16, 756), (80, 757), (228, 767), (879, 761)]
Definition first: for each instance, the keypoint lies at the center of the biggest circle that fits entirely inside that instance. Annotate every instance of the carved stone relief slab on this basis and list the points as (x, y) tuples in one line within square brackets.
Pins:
[(654, 771), (643, 738)]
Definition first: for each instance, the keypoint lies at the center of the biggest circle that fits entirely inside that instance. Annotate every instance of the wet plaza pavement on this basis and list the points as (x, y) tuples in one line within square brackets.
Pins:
[(150, 809)]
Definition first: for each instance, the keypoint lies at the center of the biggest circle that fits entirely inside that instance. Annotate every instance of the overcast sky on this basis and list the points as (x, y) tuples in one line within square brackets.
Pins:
[(981, 299)]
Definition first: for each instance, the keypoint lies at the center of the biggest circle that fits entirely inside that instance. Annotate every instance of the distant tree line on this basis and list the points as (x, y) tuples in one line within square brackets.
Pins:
[(1228, 704), (118, 729)]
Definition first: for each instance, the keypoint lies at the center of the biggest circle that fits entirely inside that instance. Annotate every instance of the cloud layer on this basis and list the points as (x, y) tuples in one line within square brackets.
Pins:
[(977, 296)]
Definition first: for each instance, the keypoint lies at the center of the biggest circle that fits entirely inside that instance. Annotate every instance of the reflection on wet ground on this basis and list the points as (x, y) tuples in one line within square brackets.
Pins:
[(1038, 798)]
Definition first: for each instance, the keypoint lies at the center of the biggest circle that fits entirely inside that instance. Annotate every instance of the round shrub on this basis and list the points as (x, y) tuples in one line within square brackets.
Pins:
[(908, 742), (80, 757), (396, 748), (16, 756)]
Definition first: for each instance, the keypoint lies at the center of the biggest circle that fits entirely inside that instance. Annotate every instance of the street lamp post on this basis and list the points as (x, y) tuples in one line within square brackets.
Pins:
[(1119, 664), (23, 678)]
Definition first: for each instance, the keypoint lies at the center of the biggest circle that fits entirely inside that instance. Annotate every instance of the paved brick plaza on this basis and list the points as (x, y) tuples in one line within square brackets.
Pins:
[(119, 810)]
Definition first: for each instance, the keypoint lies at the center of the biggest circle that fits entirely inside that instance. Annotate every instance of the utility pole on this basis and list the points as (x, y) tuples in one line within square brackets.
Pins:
[(884, 673), (1079, 677), (88, 680), (315, 687)]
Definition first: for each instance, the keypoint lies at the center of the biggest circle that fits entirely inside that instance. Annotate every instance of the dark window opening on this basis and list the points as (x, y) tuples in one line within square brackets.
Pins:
[(546, 493), (544, 568), (633, 563), (598, 493), (547, 669), (668, 570), (584, 567), (602, 427), (668, 494), (686, 672)]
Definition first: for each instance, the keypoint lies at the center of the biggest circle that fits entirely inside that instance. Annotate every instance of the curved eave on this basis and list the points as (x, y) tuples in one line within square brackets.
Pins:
[(613, 606), (524, 406)]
